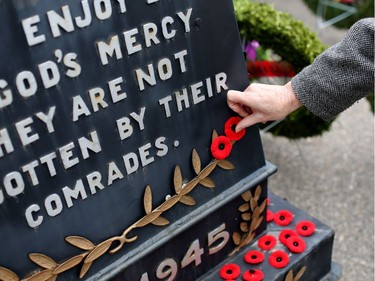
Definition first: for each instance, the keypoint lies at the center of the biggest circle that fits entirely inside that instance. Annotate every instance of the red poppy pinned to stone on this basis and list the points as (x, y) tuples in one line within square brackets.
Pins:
[(221, 147), (305, 228), (269, 216), (268, 201), (283, 217), (296, 244), (254, 257), (285, 234), (230, 129), (267, 242), (278, 259), (230, 271), (253, 275)]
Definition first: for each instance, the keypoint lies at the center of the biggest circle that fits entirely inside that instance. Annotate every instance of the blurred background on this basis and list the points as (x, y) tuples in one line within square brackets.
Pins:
[(324, 169)]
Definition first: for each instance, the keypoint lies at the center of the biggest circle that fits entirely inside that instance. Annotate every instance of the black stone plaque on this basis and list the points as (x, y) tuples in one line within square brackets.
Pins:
[(98, 100)]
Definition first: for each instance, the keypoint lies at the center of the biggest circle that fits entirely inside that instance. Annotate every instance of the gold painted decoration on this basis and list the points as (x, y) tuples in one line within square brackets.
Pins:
[(251, 218), (291, 277), (49, 269)]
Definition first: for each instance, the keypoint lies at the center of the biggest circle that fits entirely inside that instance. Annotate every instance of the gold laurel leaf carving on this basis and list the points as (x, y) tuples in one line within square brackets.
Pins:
[(70, 263), (263, 206), (42, 260), (246, 216), (207, 170), (160, 221), (253, 204), (190, 186), (98, 251), (258, 192), (169, 203), (256, 213), (226, 165), (41, 275), (207, 182), (247, 240), (246, 196), (300, 274), (289, 276), (147, 200), (196, 162), (255, 224), (244, 208), (187, 200), (80, 242), (8, 275), (236, 238), (85, 268), (148, 219), (177, 180), (244, 226), (214, 135), (53, 278)]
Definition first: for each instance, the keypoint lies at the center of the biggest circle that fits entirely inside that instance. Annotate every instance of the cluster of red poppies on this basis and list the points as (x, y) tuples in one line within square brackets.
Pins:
[(290, 238), (221, 146)]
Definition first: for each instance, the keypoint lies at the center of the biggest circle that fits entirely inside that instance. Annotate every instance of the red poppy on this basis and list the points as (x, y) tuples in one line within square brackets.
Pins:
[(253, 275), (283, 217), (230, 129), (285, 234), (221, 147), (230, 271), (296, 244), (305, 228), (268, 201), (269, 216), (254, 257), (278, 259), (267, 242)]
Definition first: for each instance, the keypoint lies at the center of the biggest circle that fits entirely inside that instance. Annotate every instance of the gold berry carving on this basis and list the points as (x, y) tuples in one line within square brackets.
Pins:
[(50, 269)]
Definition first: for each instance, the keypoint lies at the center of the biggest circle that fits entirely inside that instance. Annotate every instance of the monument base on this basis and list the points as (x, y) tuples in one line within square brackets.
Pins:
[(309, 260)]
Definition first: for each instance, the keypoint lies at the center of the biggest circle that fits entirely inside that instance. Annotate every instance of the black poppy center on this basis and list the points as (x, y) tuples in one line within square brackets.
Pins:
[(252, 271), (279, 259), (221, 146), (287, 236), (282, 218), (253, 257), (233, 127), (267, 243), (304, 227), (295, 244), (229, 271)]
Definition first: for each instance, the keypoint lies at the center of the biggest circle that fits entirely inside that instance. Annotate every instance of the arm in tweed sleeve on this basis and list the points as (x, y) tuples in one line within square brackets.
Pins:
[(339, 76)]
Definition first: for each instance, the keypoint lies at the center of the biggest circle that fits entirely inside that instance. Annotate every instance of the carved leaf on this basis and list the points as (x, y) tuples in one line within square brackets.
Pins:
[(190, 186), (188, 200), (148, 219), (262, 206), (258, 192), (253, 204), (244, 226), (196, 162), (207, 182), (70, 263), (147, 200), (98, 251), (41, 276), (42, 260), (207, 171), (289, 276), (236, 238), (80, 242), (160, 221), (6, 274), (177, 180), (256, 213), (300, 274), (246, 216), (85, 268), (246, 196), (53, 278), (214, 135), (247, 240), (244, 208), (169, 203), (255, 223), (226, 165)]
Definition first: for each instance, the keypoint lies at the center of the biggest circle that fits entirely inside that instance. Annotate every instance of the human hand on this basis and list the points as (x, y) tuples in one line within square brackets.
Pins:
[(260, 103)]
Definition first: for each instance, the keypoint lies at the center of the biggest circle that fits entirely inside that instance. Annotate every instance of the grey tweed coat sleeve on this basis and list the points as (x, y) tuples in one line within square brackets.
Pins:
[(341, 75)]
